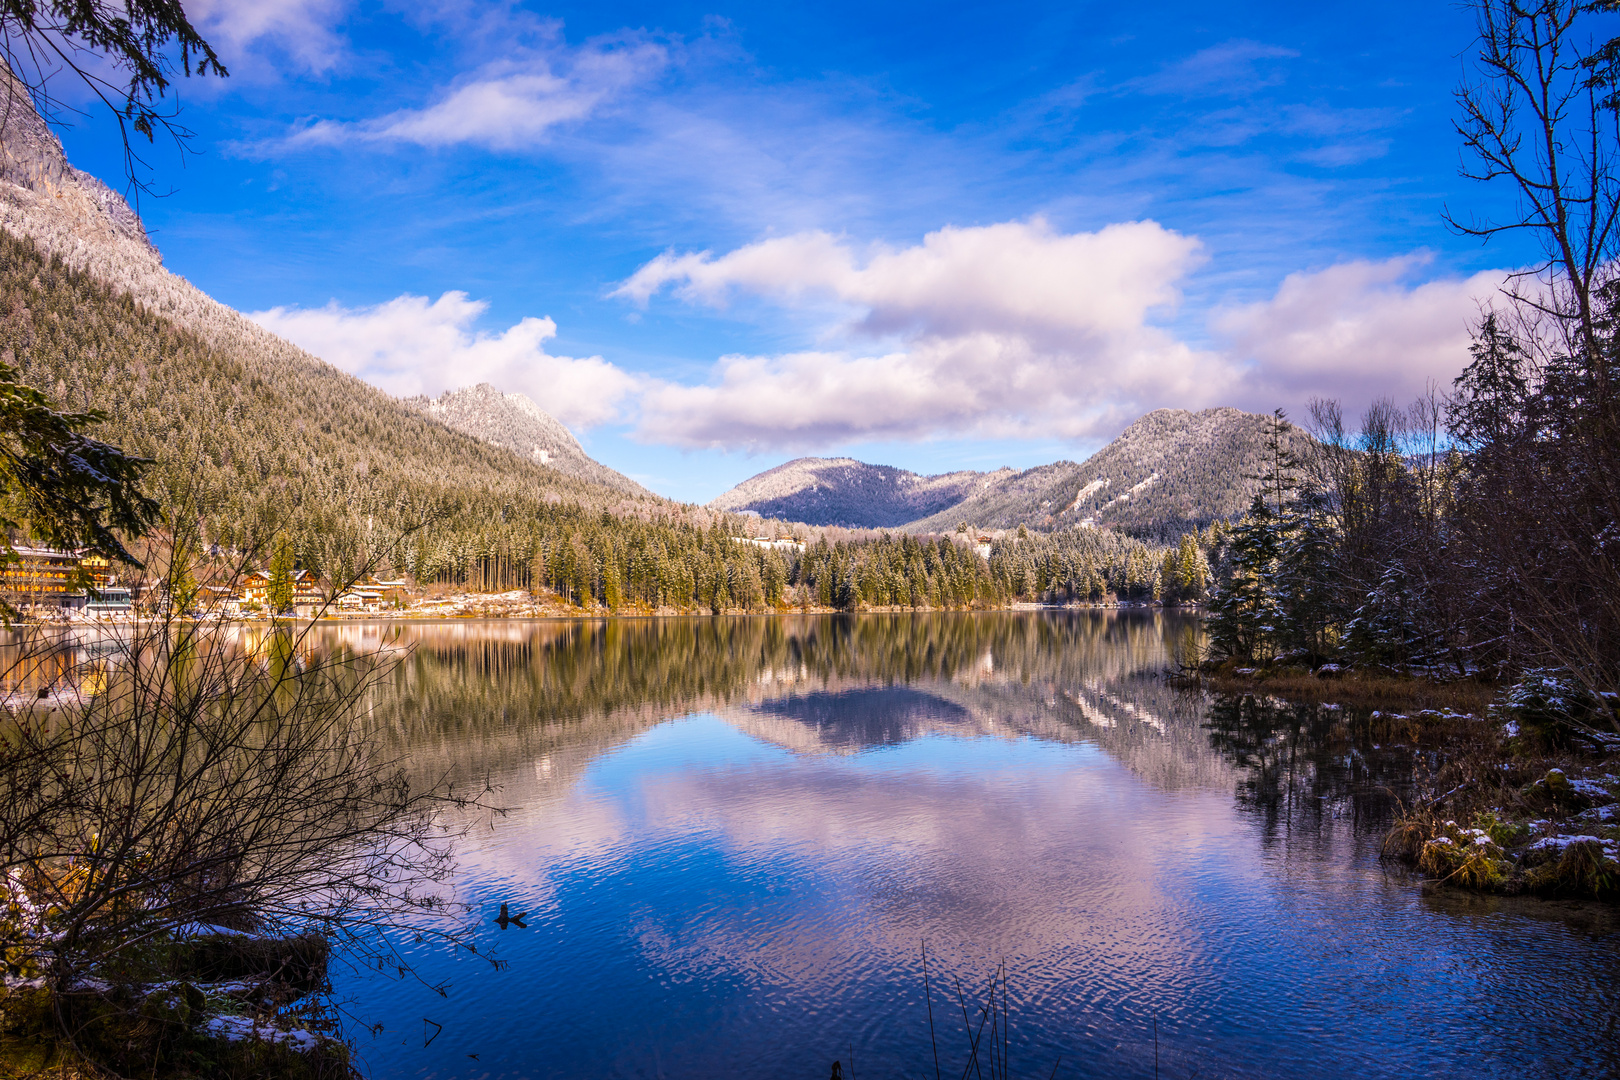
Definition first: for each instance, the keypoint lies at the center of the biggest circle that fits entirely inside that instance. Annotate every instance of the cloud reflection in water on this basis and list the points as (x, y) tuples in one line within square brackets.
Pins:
[(733, 836)]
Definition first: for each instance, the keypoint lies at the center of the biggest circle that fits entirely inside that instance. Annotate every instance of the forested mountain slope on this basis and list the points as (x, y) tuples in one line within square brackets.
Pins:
[(252, 432), (515, 422), (251, 435), (1169, 471), (258, 443), (843, 491), (71, 215)]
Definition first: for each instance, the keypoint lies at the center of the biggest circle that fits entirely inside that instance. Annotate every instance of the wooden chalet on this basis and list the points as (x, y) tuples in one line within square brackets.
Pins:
[(307, 593)]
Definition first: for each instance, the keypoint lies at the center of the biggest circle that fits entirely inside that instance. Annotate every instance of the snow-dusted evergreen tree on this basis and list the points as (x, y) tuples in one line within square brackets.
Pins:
[(1246, 617), (1192, 569), (1250, 613), (1393, 625), (1307, 572)]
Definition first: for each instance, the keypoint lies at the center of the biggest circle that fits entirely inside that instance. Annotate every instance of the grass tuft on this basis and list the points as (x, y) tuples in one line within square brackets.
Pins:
[(1359, 689)]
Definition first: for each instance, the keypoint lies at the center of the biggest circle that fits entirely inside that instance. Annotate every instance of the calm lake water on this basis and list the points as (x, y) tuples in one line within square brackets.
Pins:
[(733, 836)]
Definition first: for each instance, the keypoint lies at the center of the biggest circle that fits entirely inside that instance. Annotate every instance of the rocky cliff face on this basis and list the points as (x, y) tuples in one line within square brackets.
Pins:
[(73, 216), (32, 160), (515, 422)]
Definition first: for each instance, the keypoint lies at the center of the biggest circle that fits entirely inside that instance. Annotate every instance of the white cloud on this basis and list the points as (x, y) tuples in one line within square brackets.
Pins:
[(1233, 67), (410, 345), (1021, 278), (975, 385), (1355, 331), (509, 105), (1008, 329), (301, 30), (1018, 330)]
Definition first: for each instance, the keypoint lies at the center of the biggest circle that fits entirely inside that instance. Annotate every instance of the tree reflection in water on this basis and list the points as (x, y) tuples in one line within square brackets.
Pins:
[(1305, 766), (487, 698), (723, 894)]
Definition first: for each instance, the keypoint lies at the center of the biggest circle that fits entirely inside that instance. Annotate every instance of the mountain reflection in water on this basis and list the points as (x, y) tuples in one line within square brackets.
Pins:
[(732, 836), (849, 721)]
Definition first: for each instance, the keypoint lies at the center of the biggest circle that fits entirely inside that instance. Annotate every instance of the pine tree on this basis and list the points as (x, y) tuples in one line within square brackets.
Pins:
[(1280, 479), (1492, 393), (1391, 626), (1170, 577), (1246, 618), (1306, 573), (775, 579), (280, 592), (1192, 572), (1275, 565)]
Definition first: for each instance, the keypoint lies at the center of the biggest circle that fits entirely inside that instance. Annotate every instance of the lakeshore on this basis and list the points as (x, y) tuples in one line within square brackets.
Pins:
[(986, 729), (1505, 801), (521, 604)]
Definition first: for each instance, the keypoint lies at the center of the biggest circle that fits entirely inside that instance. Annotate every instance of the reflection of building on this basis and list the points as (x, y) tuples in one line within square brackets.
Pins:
[(33, 670), (43, 576)]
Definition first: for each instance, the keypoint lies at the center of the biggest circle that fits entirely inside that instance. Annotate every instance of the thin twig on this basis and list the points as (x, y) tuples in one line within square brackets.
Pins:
[(928, 999)]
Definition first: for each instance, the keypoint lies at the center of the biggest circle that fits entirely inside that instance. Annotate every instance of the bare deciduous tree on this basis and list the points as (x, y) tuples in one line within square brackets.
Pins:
[(1533, 117), (183, 771), (1535, 414)]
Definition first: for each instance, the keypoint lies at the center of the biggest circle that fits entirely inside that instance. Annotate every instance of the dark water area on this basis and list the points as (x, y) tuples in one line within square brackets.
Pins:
[(733, 836)]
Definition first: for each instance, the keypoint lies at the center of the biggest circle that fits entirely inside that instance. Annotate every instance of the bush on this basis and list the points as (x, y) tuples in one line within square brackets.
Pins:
[(208, 774), (1548, 707)]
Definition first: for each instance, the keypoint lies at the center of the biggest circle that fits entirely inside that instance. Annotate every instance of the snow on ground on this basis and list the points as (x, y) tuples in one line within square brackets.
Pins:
[(1559, 843), (242, 1028)]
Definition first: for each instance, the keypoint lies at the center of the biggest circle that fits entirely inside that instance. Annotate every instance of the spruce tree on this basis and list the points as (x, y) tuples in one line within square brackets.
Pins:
[(280, 592), (1246, 617), (1191, 572), (1391, 626), (1306, 584)]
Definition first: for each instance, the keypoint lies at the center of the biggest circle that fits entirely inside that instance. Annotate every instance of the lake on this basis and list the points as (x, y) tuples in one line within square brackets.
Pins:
[(733, 838)]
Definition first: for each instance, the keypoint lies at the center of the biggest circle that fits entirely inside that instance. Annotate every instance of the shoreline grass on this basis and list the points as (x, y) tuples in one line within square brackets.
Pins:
[(1494, 810), (1353, 688)]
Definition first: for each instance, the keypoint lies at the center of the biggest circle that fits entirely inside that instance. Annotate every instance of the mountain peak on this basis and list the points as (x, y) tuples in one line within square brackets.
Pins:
[(515, 422), (843, 491), (32, 158), (1171, 470)]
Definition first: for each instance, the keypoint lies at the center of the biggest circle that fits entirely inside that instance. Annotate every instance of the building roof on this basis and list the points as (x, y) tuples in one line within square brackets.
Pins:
[(44, 552)]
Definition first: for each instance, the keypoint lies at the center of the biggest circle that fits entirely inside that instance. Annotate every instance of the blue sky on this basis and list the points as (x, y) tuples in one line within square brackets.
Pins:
[(932, 236)]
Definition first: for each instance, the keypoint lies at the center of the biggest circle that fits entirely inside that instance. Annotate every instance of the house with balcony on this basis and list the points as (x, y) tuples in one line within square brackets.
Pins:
[(308, 597), (368, 593), (43, 577)]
